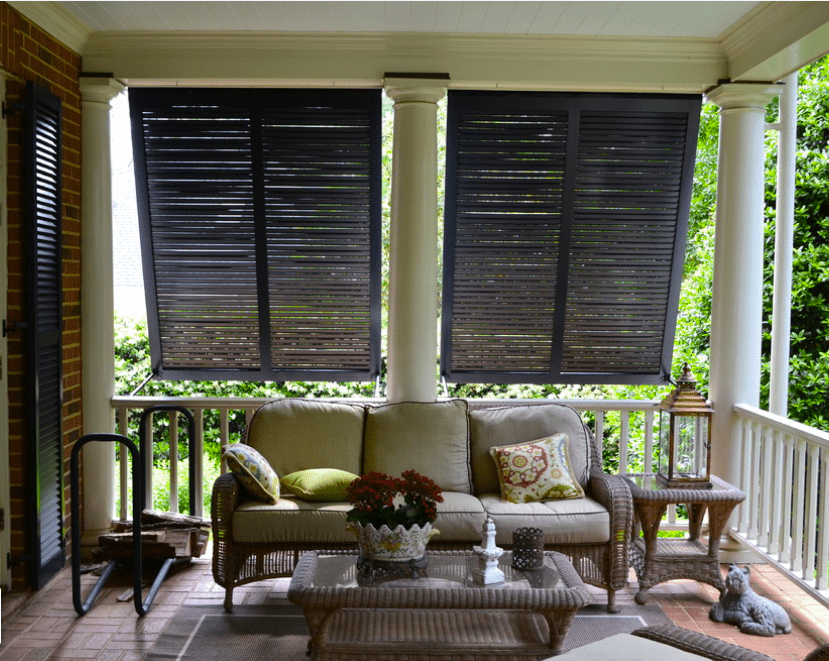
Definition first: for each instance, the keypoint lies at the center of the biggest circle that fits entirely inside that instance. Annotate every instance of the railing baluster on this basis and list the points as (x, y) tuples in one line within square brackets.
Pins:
[(198, 478), (224, 425), (822, 551), (799, 495), (777, 467), (624, 441), (811, 513), (648, 458), (123, 463), (750, 487), (744, 509), (147, 459), (766, 486), (173, 461), (787, 488), (600, 429)]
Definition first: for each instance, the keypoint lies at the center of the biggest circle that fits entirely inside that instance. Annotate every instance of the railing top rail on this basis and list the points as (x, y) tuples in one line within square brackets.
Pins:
[(139, 401), (784, 425)]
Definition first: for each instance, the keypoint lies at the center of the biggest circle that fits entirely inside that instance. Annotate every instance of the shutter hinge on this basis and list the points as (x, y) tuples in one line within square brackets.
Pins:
[(13, 327), (12, 109)]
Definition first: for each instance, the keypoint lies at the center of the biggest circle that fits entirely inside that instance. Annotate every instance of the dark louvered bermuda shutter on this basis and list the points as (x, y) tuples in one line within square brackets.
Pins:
[(260, 220), (565, 227), (43, 184)]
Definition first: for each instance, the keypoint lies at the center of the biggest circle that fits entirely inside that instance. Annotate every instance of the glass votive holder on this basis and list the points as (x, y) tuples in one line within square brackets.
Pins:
[(528, 548)]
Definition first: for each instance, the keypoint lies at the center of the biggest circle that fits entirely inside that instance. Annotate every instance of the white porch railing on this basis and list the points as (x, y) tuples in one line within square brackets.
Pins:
[(626, 423), (784, 472)]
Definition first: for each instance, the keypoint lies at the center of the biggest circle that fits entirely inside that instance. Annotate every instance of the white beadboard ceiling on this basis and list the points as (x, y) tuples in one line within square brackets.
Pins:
[(702, 20)]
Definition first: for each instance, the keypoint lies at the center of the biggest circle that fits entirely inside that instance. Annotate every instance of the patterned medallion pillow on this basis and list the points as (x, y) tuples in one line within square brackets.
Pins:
[(253, 471), (319, 484), (535, 471)]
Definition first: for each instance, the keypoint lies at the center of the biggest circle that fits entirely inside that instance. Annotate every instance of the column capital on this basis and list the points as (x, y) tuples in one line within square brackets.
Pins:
[(415, 90), (745, 96), (100, 89)]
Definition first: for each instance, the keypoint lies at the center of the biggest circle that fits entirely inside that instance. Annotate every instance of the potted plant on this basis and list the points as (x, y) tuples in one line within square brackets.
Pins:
[(393, 517)]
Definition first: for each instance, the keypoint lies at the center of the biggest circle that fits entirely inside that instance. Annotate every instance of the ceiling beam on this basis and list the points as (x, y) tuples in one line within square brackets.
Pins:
[(473, 61), (780, 38)]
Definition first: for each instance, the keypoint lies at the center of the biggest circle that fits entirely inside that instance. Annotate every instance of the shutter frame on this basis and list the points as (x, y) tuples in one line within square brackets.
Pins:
[(513, 170), (43, 184), (295, 188)]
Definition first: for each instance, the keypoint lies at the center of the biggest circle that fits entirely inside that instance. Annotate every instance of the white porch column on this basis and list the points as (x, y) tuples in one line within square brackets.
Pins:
[(413, 259), (783, 249), (736, 315), (97, 308)]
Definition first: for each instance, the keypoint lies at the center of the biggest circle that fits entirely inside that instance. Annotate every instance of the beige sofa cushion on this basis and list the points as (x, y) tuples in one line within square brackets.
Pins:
[(624, 647), (291, 520), (297, 434), (460, 518), (496, 426), (431, 438), (572, 521)]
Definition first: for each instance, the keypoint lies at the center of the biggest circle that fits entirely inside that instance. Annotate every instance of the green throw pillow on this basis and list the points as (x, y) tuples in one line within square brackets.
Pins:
[(320, 484), (253, 471)]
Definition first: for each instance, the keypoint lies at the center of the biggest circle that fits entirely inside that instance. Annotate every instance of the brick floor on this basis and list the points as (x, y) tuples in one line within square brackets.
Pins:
[(44, 625)]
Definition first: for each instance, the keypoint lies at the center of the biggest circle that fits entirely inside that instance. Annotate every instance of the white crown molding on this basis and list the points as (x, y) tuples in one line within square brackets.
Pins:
[(495, 61), (58, 22), (776, 39)]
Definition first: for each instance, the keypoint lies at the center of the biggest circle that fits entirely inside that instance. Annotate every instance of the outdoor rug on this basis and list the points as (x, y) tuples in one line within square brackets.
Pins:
[(279, 632)]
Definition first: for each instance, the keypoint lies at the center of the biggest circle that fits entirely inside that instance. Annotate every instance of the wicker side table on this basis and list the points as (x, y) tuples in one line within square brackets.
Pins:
[(657, 560)]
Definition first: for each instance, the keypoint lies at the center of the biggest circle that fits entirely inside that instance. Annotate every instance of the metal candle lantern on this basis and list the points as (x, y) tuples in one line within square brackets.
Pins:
[(685, 419), (528, 548)]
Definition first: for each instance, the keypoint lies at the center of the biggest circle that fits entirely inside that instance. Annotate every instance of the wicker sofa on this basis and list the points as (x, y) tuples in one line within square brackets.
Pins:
[(448, 441)]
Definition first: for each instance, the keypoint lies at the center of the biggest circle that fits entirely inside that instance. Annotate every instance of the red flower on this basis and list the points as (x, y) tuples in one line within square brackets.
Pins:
[(372, 497)]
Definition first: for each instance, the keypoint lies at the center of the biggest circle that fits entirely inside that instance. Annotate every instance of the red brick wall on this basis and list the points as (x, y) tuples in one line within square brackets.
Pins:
[(28, 53)]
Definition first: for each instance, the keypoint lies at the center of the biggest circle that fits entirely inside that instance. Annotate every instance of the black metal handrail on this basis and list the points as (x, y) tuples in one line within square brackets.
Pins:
[(82, 606)]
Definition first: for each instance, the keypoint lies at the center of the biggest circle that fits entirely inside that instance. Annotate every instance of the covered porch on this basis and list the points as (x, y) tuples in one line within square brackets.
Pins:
[(740, 56)]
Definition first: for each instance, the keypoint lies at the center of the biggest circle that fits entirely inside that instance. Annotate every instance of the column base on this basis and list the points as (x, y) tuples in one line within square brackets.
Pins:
[(89, 542)]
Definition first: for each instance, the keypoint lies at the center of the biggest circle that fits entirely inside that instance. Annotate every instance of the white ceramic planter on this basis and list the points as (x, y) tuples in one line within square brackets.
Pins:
[(398, 545)]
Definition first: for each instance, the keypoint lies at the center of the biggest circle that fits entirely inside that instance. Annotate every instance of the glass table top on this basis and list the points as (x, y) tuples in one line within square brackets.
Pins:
[(443, 570)]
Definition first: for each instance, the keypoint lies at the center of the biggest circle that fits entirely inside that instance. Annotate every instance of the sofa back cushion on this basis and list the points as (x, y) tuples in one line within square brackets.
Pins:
[(509, 425), (429, 437), (296, 434)]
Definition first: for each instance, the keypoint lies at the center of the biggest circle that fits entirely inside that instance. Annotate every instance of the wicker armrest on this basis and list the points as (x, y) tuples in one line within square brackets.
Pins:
[(699, 644), (227, 493), (613, 492)]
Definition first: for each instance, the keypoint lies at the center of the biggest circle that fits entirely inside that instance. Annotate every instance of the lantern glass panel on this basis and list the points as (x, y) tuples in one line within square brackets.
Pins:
[(691, 447), (664, 443)]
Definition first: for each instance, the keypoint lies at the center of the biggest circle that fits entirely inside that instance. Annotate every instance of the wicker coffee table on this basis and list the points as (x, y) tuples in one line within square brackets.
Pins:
[(657, 560), (441, 615)]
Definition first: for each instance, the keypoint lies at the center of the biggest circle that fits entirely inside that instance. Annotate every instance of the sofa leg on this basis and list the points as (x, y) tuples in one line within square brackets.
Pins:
[(229, 599), (611, 601)]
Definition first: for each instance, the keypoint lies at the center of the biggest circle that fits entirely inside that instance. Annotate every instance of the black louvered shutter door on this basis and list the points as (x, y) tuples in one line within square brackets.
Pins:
[(43, 184), (565, 225), (503, 220), (200, 236), (319, 176), (260, 225), (626, 241)]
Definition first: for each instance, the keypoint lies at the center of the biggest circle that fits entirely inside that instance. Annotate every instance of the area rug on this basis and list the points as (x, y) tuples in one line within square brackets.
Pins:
[(279, 632)]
